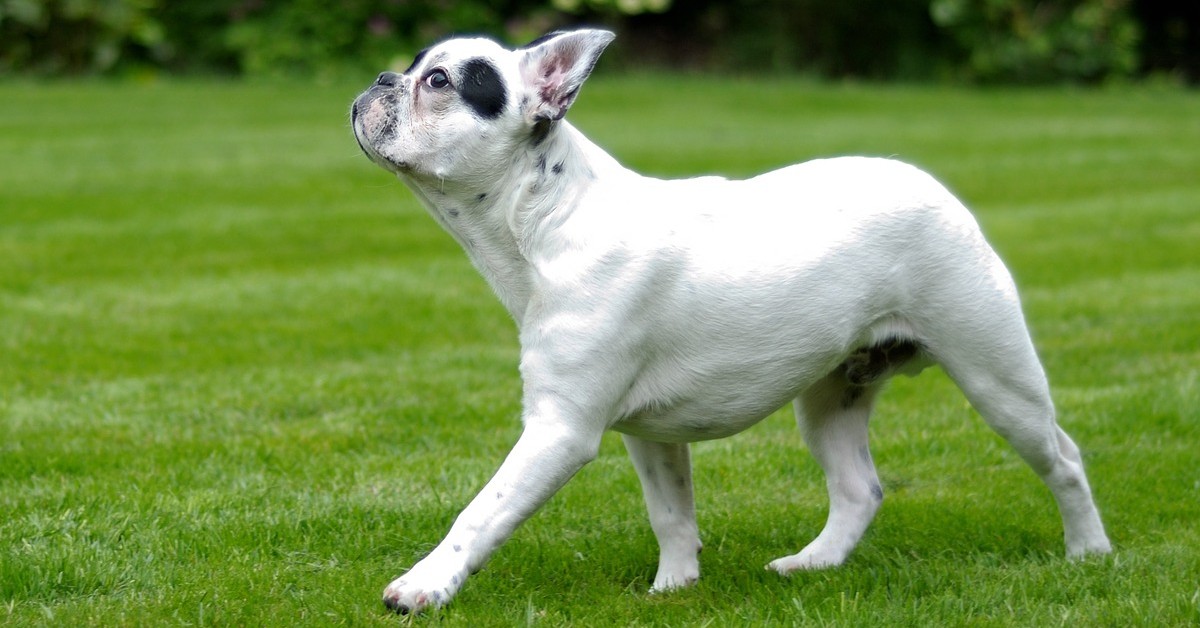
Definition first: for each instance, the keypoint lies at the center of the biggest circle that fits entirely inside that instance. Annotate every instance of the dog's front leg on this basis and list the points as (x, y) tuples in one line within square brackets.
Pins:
[(666, 473), (548, 453)]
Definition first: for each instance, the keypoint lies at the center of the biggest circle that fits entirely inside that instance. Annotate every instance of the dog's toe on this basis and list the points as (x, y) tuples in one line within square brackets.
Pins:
[(402, 601), (395, 605)]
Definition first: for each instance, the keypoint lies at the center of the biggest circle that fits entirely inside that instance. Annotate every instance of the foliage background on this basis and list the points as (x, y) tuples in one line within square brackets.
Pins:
[(994, 41)]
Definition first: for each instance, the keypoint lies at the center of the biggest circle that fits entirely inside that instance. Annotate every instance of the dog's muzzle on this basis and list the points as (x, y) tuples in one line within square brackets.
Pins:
[(373, 116)]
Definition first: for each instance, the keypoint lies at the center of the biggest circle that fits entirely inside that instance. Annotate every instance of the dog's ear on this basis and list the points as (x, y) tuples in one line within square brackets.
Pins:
[(554, 68)]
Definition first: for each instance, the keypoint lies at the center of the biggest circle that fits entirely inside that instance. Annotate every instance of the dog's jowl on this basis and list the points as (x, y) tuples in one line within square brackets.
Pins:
[(676, 311)]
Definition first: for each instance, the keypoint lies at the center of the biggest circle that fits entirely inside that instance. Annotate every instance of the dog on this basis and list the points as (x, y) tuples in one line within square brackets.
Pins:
[(686, 310)]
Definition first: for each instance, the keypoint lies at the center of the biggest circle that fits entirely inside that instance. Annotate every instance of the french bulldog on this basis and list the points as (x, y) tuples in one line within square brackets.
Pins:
[(673, 311)]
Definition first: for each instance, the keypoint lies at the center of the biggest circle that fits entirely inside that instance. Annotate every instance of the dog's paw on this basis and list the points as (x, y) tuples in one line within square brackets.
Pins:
[(664, 583), (806, 560), (423, 587), (678, 567), (1090, 548)]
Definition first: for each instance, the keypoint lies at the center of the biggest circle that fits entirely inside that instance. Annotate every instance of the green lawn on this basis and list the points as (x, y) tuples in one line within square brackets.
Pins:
[(244, 380)]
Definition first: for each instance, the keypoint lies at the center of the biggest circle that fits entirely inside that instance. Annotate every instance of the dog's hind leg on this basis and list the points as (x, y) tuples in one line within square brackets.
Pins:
[(833, 416), (989, 355), (666, 474)]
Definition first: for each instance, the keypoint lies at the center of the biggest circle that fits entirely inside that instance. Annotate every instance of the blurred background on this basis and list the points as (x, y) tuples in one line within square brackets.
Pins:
[(968, 41)]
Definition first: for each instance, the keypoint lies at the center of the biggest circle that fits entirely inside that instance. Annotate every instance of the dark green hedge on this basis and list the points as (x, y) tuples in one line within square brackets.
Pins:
[(979, 40)]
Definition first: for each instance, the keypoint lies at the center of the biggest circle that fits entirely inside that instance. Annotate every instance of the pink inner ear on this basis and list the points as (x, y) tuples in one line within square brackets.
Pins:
[(553, 76)]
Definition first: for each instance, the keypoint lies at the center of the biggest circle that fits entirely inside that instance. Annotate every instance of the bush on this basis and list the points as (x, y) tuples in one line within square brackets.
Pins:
[(984, 40), (1040, 41), (76, 36)]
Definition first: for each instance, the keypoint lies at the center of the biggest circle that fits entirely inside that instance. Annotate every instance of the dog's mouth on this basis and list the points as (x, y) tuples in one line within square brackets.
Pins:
[(374, 120)]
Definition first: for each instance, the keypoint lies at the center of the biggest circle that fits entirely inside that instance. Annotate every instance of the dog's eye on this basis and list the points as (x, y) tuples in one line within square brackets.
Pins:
[(437, 79)]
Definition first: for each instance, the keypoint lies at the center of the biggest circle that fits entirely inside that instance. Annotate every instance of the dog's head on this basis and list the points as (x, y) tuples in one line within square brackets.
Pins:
[(464, 105)]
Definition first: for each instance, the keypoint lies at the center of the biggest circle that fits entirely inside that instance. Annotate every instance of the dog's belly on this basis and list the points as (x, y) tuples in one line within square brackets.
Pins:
[(701, 418), (725, 403), (716, 389)]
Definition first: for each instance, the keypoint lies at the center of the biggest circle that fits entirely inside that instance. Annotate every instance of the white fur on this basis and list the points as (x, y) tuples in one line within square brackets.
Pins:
[(675, 311)]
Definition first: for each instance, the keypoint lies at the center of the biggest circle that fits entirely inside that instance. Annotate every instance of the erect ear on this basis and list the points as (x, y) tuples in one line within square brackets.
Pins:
[(554, 68)]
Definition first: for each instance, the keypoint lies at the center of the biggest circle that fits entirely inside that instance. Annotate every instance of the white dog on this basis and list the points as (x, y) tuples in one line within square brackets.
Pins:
[(677, 311)]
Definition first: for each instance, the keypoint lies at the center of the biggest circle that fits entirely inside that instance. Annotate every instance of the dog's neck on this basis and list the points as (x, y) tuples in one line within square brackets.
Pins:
[(495, 219)]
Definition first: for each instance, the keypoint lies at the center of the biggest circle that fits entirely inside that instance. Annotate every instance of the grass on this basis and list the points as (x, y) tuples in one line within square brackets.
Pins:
[(244, 380)]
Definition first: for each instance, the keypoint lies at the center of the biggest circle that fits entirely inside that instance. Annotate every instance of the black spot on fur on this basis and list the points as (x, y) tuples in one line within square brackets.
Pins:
[(452, 211), (482, 88), (541, 164), (558, 168), (851, 395), (480, 197), (870, 364), (417, 60), (541, 131)]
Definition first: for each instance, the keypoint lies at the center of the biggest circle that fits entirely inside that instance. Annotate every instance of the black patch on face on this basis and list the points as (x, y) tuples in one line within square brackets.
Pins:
[(482, 88), (417, 60)]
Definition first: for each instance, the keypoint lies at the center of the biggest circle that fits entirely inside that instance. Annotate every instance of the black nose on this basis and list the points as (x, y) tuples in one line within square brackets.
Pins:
[(387, 79)]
